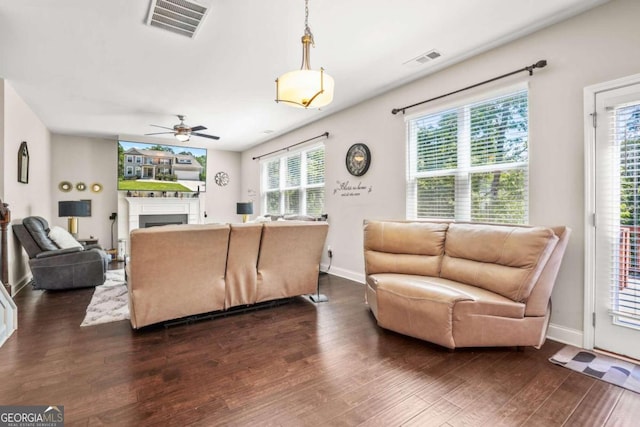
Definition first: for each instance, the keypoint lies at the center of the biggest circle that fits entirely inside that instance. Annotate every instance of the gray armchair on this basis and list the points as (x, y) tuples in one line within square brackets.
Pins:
[(55, 268)]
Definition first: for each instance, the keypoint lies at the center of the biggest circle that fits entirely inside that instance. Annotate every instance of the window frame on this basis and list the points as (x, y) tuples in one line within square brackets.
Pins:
[(282, 187), (463, 171)]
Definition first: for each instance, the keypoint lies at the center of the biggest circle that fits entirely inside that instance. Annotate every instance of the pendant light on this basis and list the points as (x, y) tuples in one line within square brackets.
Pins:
[(305, 88)]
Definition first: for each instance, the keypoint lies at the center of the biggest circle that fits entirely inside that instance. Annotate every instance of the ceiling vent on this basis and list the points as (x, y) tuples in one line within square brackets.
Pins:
[(178, 16), (424, 58)]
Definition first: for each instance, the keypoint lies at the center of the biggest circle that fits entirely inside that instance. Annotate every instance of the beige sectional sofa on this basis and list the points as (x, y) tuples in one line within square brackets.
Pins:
[(175, 271), (463, 284)]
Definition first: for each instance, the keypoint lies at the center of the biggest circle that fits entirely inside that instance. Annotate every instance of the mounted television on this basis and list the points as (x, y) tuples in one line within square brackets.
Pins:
[(161, 167)]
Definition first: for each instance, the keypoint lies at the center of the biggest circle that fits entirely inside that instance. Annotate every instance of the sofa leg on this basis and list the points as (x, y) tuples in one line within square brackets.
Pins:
[(520, 349)]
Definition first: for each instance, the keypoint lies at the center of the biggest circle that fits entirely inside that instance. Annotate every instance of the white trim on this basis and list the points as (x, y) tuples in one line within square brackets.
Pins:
[(470, 100), (22, 283), (565, 335), (590, 93), (9, 320), (344, 273), (310, 146)]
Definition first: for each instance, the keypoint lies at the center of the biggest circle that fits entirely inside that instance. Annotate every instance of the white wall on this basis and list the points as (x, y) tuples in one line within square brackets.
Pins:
[(599, 45), (34, 198), (88, 160), (221, 201)]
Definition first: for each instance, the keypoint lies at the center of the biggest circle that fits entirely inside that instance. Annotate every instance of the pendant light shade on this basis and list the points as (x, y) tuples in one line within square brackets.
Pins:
[(305, 88)]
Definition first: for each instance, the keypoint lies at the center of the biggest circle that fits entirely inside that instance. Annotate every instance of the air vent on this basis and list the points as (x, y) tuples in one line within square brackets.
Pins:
[(424, 58), (178, 16)]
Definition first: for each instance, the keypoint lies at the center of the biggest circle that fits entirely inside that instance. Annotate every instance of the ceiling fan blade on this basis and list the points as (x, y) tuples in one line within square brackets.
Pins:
[(197, 128), (158, 133), (204, 135), (163, 127)]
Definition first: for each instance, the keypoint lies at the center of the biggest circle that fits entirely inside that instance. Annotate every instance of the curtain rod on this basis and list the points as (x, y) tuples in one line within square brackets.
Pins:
[(326, 135), (540, 64)]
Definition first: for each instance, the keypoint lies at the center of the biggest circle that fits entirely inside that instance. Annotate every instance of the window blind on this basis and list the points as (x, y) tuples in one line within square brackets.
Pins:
[(622, 213), (294, 183), (470, 162)]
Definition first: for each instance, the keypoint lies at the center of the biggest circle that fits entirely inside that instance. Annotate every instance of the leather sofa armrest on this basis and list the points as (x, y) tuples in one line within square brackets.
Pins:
[(47, 254)]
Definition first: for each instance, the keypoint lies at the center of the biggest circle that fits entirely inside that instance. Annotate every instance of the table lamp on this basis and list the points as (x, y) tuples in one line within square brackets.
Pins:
[(74, 209), (245, 209)]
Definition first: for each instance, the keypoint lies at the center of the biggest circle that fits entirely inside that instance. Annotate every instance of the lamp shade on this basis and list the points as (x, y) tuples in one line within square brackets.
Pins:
[(305, 88), (244, 208), (74, 208)]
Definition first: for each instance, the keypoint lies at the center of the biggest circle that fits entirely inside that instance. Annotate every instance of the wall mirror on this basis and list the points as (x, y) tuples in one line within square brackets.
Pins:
[(23, 163)]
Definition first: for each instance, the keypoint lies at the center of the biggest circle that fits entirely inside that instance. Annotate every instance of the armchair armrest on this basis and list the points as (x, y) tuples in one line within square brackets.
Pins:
[(57, 252)]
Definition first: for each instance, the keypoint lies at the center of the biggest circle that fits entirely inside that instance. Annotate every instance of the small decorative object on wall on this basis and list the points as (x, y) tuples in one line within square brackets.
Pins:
[(358, 159), (65, 186), (96, 188), (23, 163), (81, 186), (222, 178)]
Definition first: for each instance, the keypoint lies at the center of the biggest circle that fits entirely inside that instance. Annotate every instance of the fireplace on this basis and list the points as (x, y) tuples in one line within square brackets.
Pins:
[(161, 210), (146, 221)]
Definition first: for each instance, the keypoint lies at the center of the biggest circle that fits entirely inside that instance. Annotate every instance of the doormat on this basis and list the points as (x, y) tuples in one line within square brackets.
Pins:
[(615, 371), (110, 301)]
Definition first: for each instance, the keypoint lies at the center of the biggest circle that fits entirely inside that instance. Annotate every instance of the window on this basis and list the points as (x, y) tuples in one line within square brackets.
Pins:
[(294, 183), (470, 163), (129, 158)]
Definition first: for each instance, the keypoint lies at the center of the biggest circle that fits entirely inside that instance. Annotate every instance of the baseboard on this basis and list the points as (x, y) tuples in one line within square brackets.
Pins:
[(345, 274), (565, 335), (22, 283)]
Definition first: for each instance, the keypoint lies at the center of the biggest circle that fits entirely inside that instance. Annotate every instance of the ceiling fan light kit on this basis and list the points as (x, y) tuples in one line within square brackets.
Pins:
[(182, 132), (305, 88)]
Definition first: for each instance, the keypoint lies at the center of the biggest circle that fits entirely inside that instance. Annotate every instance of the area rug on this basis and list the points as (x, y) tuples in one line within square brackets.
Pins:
[(615, 371), (110, 301)]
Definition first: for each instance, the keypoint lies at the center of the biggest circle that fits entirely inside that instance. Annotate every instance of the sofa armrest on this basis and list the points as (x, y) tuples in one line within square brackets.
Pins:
[(47, 254)]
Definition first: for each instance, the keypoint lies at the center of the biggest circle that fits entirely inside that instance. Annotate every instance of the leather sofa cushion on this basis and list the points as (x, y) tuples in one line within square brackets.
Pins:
[(404, 247), (39, 230), (501, 259), (424, 307), (289, 259), (459, 296)]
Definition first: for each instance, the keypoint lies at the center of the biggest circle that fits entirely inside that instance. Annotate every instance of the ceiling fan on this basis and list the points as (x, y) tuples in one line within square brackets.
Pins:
[(183, 132)]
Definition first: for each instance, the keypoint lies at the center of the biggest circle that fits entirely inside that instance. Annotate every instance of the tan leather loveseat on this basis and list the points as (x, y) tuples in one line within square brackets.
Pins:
[(177, 271), (463, 284)]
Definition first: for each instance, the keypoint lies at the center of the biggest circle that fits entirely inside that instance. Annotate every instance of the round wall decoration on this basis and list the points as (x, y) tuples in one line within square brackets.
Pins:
[(222, 178), (81, 186), (96, 187), (65, 186), (358, 159)]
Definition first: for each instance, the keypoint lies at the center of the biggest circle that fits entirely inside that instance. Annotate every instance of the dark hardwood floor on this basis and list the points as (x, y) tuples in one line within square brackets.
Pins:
[(297, 364)]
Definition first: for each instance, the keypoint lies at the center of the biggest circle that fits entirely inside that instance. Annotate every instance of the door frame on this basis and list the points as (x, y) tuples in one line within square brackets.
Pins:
[(590, 220)]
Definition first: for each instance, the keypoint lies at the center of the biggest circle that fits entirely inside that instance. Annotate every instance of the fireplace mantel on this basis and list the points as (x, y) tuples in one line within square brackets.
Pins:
[(162, 206)]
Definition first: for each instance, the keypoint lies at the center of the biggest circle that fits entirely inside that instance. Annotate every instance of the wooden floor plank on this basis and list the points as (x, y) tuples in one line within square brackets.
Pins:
[(560, 404), (299, 364), (597, 405)]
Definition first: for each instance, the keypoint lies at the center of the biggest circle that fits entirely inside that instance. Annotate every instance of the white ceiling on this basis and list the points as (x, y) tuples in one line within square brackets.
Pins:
[(94, 68)]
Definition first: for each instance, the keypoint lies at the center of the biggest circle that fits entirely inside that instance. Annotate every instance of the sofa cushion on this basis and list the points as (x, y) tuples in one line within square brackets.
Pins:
[(424, 307), (404, 247), (63, 238), (39, 229), (503, 259), (289, 260)]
